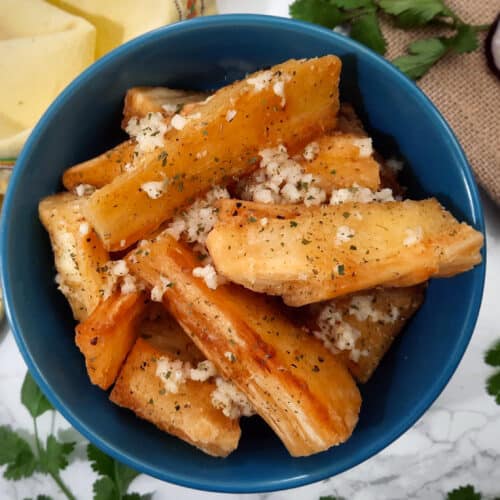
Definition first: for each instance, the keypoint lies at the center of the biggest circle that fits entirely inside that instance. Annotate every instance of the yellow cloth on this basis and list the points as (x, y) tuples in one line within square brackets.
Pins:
[(43, 47), (41, 50)]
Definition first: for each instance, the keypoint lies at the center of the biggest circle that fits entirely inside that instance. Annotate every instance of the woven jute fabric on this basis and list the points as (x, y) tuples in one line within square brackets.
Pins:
[(465, 92)]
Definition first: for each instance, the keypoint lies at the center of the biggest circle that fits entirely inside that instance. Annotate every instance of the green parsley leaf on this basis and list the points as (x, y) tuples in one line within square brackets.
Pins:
[(493, 386), (33, 398), (492, 357), (137, 496), (124, 476), (16, 453), (100, 462), (422, 55), (293, 223), (464, 41), (328, 497), (413, 13), (352, 4), (105, 489), (366, 30), (317, 11), (464, 493), (55, 456)]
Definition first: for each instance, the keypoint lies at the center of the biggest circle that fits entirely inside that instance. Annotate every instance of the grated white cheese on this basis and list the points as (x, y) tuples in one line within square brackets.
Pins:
[(119, 268), (364, 144), (178, 122), (279, 90), (147, 131), (230, 400), (159, 289), (209, 275), (281, 179), (230, 115), (360, 194), (311, 151), (171, 109), (362, 308), (172, 373), (203, 371), (413, 236), (261, 81), (194, 224), (344, 234), (336, 334), (155, 189), (129, 284), (84, 228), (84, 190)]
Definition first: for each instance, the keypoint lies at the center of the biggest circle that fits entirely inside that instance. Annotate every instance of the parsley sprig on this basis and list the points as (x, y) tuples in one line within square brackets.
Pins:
[(24, 459), (363, 16), (492, 358)]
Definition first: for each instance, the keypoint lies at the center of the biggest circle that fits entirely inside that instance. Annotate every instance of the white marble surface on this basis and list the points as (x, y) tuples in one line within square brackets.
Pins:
[(456, 442)]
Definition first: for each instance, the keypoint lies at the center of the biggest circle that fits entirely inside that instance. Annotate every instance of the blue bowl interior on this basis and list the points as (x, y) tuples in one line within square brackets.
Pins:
[(206, 54)]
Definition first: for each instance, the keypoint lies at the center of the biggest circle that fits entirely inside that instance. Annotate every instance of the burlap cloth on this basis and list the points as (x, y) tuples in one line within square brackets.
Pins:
[(465, 91)]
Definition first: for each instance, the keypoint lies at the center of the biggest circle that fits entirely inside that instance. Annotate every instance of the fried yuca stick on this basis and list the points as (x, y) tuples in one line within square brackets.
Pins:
[(334, 250), (293, 382), (373, 318), (108, 334), (139, 101), (102, 169), (78, 252), (188, 414), (290, 104)]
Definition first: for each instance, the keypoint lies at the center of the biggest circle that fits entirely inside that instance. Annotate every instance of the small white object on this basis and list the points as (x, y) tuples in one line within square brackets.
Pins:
[(208, 274), (311, 151), (364, 144), (261, 81), (84, 190), (178, 122), (84, 228), (154, 189), (159, 290), (230, 115), (230, 400), (279, 90), (344, 234), (119, 268)]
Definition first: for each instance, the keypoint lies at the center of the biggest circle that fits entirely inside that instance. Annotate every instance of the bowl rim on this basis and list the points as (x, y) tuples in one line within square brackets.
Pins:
[(248, 20)]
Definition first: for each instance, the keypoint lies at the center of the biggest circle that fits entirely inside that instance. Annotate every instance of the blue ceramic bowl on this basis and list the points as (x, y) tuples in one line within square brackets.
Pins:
[(205, 54)]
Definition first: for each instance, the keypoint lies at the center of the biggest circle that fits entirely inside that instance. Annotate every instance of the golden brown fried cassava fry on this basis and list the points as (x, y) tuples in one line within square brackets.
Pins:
[(334, 250), (290, 104), (389, 311), (293, 382), (78, 252), (187, 414), (108, 334), (140, 101), (102, 169)]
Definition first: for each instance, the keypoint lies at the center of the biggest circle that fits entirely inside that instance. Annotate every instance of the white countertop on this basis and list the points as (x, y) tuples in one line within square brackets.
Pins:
[(456, 442)]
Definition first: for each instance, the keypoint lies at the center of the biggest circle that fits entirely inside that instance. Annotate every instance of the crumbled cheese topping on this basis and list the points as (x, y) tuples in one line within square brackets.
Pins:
[(84, 228), (279, 90), (230, 400), (203, 371), (194, 224), (230, 115), (360, 194), (119, 268), (264, 221), (281, 179), (226, 397), (230, 356), (364, 145), (129, 284), (311, 151), (362, 308), (336, 334), (344, 234), (261, 81), (159, 289), (171, 109), (155, 189), (84, 190), (147, 131), (178, 122), (413, 236), (128, 167), (209, 275), (172, 373)]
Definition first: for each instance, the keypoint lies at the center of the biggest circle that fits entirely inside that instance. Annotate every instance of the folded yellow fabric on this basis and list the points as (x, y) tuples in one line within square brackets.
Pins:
[(120, 20), (41, 50)]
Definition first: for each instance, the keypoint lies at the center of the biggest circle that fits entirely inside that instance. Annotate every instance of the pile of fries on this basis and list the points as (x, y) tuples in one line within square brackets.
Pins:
[(245, 252)]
